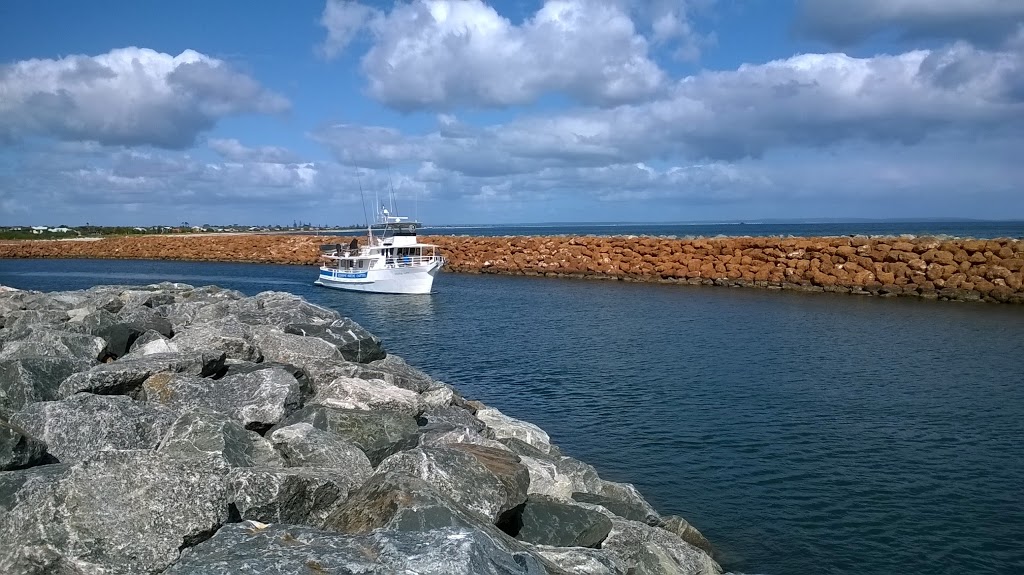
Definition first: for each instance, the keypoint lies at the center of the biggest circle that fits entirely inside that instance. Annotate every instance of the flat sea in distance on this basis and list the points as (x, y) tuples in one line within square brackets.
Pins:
[(801, 433)]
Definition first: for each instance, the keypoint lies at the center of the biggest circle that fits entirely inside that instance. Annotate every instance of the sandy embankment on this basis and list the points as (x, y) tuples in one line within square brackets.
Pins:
[(989, 270)]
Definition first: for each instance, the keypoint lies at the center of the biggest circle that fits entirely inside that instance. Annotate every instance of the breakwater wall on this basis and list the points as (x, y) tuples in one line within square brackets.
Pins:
[(948, 269), (189, 430)]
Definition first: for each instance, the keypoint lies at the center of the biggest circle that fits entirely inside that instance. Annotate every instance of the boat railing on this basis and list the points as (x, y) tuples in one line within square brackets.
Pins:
[(412, 261)]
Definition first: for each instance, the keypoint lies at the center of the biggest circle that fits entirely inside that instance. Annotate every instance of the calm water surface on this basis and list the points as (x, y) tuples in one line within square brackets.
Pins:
[(802, 433)]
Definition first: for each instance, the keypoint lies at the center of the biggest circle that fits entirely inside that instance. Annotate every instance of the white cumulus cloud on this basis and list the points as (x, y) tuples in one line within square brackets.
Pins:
[(438, 54), (128, 96)]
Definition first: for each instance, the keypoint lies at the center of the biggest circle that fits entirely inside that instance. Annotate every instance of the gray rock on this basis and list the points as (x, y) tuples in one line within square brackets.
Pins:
[(43, 342), (682, 528), (303, 445), (370, 395), (200, 433), (117, 512), (151, 342), (258, 399), (279, 309), (18, 449), (488, 482), (646, 549), (438, 398), (126, 375), (237, 367), (281, 549), (553, 474), (399, 502), (275, 345), (355, 343), (227, 334), (455, 416), (623, 500), (302, 496), (391, 369), (18, 484), (505, 426), (36, 318), (550, 521), (378, 433), (581, 560), (30, 379), (442, 434), (77, 427), (146, 319)]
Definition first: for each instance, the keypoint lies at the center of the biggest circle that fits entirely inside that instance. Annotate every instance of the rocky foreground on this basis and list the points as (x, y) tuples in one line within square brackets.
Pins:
[(180, 430), (945, 269)]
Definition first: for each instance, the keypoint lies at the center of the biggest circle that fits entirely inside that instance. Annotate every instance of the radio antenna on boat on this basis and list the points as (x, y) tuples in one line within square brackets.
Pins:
[(366, 218), (392, 186)]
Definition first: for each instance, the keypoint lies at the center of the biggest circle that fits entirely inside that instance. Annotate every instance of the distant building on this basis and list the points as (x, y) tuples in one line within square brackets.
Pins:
[(39, 229), (60, 230)]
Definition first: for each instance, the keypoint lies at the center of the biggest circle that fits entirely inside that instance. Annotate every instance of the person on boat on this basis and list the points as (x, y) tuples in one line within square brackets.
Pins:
[(354, 245)]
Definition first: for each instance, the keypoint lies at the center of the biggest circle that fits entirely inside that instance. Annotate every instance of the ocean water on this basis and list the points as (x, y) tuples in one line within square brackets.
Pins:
[(802, 433)]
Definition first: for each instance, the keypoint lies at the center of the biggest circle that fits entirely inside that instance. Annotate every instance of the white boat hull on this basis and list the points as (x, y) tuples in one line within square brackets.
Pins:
[(399, 280)]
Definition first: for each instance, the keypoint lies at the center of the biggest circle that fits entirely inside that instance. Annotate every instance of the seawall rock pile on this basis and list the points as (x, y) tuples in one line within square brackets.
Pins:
[(947, 269), (182, 430)]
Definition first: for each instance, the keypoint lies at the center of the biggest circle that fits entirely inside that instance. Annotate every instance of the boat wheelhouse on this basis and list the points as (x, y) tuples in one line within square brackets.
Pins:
[(392, 261)]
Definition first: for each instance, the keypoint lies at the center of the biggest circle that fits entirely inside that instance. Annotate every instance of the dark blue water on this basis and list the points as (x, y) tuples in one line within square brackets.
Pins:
[(802, 433), (1006, 229)]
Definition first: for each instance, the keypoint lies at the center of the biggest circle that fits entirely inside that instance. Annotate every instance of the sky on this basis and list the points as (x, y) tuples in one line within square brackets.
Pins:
[(518, 111)]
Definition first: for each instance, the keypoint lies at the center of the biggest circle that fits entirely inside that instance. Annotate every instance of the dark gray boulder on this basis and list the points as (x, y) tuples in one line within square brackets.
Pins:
[(227, 334), (44, 342), (623, 500), (400, 502), (646, 549), (355, 343), (126, 375), (303, 445), (279, 309), (201, 433), (488, 482), (18, 449), (377, 433), (116, 512), (682, 528), (77, 427), (16, 485), (290, 549), (454, 416), (258, 399), (36, 318), (30, 379), (276, 345), (549, 521), (391, 369), (301, 496)]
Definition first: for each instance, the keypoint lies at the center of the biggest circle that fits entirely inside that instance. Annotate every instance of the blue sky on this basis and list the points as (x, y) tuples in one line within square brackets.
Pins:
[(515, 111)]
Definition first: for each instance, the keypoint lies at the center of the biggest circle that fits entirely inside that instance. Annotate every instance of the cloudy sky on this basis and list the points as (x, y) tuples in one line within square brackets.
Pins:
[(509, 112)]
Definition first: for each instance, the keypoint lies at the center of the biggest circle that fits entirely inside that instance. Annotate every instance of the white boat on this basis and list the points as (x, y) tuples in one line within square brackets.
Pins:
[(392, 261)]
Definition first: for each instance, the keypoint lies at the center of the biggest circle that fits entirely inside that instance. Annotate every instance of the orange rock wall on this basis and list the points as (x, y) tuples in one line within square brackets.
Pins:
[(989, 270)]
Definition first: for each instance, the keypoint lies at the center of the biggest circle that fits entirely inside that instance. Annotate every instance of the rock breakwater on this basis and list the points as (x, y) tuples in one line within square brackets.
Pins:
[(181, 430), (948, 269)]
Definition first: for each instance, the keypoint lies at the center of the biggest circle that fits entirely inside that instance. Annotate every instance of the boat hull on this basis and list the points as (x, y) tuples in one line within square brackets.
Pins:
[(408, 280)]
